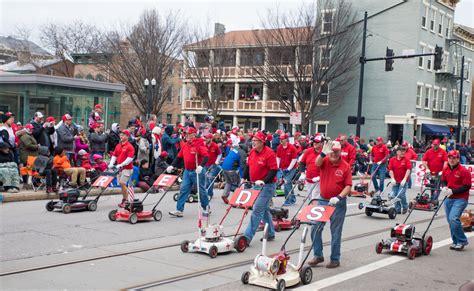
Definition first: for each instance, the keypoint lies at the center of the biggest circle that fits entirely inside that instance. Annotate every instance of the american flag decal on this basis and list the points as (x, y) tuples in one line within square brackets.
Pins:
[(131, 193)]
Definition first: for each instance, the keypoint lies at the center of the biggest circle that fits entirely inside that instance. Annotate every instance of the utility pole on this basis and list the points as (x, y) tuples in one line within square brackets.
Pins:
[(458, 134), (361, 77)]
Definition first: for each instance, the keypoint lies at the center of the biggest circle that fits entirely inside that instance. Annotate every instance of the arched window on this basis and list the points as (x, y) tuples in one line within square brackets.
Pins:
[(100, 77), (89, 77), (79, 76)]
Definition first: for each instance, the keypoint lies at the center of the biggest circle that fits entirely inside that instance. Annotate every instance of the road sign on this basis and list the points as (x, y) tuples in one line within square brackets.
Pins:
[(295, 118)]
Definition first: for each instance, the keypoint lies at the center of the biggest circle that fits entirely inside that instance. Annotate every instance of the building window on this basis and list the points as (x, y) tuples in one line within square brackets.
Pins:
[(442, 101), (170, 94), (435, 98), (465, 104), (179, 96), (420, 59), (424, 16), (440, 24), (169, 116), (429, 60), (427, 97), (448, 26), (178, 118), (453, 100), (467, 67), (188, 93), (321, 128), (325, 56), (100, 78), (445, 61), (432, 20), (324, 96), (89, 77), (327, 19), (419, 90)]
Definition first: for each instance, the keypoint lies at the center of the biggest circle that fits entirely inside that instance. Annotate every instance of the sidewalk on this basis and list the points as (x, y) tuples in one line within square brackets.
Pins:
[(28, 195)]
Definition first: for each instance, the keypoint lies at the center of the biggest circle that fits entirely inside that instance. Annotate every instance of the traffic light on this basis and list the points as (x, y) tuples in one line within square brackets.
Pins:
[(438, 58), (389, 62)]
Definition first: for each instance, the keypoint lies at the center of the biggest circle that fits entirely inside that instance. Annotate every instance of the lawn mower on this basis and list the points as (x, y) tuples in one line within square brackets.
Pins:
[(361, 189), (133, 211), (424, 200), (69, 198), (404, 239), (380, 205), (280, 191), (211, 239), (276, 271), (193, 196)]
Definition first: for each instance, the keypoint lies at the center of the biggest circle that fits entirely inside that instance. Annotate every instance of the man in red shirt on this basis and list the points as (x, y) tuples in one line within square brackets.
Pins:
[(435, 160), (212, 167), (123, 155), (194, 148), (411, 155), (261, 170), (380, 155), (286, 161), (336, 183), (348, 152), (458, 182), (400, 169), (308, 168)]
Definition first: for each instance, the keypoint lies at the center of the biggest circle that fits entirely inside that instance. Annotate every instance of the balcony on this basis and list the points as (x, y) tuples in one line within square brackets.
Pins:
[(445, 115), (271, 106)]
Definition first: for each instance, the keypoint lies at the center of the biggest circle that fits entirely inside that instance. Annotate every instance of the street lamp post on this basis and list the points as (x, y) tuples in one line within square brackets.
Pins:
[(149, 92)]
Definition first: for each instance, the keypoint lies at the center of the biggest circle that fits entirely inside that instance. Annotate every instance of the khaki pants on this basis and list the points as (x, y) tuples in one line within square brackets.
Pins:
[(73, 172)]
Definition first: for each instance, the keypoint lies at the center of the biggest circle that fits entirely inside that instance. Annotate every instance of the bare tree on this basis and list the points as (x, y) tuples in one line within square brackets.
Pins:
[(148, 50), (308, 53), (208, 61)]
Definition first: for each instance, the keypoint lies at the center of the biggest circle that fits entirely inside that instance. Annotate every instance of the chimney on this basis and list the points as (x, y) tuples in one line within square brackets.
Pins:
[(219, 29)]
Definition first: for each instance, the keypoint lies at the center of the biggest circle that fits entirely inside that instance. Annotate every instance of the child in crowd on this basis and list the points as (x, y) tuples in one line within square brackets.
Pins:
[(99, 164), (145, 177)]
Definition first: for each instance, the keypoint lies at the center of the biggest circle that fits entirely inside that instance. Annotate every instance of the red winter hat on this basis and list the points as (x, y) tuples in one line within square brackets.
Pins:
[(164, 154), (126, 132), (98, 106), (436, 142), (269, 137), (453, 153), (279, 131), (284, 136), (379, 138), (261, 136), (94, 125), (191, 130)]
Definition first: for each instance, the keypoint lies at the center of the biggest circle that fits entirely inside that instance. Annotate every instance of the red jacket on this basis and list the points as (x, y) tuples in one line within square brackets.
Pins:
[(348, 154)]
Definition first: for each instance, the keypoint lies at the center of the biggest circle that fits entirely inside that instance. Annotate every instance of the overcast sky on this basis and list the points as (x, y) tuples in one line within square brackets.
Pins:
[(110, 14)]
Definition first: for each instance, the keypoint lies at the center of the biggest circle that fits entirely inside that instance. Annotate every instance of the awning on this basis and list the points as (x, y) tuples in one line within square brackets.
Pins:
[(433, 129)]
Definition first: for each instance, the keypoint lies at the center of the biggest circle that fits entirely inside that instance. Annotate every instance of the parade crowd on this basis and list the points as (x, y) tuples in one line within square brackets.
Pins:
[(62, 153)]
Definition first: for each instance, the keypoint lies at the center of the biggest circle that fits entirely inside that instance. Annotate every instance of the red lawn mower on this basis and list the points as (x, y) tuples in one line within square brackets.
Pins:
[(430, 188)]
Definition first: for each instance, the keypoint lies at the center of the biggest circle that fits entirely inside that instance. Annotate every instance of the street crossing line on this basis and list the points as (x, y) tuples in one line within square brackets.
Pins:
[(367, 268)]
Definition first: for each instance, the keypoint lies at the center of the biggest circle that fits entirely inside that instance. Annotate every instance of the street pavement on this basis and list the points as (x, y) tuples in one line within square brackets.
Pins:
[(100, 254)]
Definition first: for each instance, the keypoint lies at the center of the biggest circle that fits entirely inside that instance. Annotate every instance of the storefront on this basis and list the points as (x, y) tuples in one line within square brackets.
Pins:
[(25, 94)]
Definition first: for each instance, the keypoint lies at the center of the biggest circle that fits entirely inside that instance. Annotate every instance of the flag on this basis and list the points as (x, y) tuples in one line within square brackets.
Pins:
[(131, 193)]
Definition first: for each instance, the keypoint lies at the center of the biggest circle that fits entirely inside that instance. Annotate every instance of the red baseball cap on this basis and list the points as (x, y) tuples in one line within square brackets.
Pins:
[(453, 153), (126, 132), (379, 138), (269, 137), (9, 114), (67, 116), (191, 130), (318, 138), (98, 106), (279, 131), (261, 136), (164, 154), (436, 142), (209, 135), (298, 134), (405, 144), (50, 119), (29, 126), (284, 136), (94, 125)]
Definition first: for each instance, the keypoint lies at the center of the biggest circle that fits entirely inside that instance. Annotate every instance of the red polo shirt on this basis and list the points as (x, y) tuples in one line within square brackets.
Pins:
[(286, 155), (213, 150), (435, 159), (188, 153), (379, 152), (348, 154), (411, 155), (309, 159), (122, 152), (298, 147), (334, 178), (399, 168), (261, 163), (456, 178)]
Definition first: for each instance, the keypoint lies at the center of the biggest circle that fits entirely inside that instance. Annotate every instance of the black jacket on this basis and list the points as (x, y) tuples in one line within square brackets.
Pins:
[(146, 175), (43, 161), (43, 135)]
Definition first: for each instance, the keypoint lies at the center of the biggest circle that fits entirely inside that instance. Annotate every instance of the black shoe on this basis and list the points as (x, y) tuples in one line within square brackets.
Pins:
[(270, 238)]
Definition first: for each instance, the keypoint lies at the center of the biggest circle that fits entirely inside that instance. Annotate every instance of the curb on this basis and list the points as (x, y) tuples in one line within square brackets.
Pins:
[(42, 195)]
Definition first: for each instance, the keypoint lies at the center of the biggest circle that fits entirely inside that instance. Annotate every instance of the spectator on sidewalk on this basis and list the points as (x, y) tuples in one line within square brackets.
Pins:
[(98, 139), (62, 164), (66, 135), (9, 177), (81, 144), (42, 131), (44, 166), (145, 176)]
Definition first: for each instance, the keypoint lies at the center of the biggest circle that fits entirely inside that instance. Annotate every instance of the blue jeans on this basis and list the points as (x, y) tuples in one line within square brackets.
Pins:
[(261, 210), (337, 222), (211, 173), (288, 177), (190, 179), (454, 209), (402, 196), (382, 170)]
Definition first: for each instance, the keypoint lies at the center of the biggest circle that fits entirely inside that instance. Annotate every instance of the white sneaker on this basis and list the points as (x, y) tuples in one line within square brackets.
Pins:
[(176, 213)]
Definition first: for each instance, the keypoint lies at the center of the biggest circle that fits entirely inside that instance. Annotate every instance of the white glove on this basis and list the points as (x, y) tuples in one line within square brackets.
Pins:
[(333, 200), (402, 183), (199, 170), (169, 169), (393, 181), (259, 183), (378, 163), (111, 166), (217, 163), (327, 147), (446, 191), (316, 179), (302, 177), (119, 166)]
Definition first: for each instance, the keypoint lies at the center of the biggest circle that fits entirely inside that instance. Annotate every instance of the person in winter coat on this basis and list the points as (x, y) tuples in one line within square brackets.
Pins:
[(95, 116), (145, 176), (160, 163), (44, 166), (8, 169), (143, 147), (99, 164), (66, 133), (81, 143), (113, 138), (169, 143), (98, 139), (42, 131), (232, 167), (28, 144), (156, 142)]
